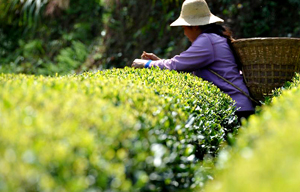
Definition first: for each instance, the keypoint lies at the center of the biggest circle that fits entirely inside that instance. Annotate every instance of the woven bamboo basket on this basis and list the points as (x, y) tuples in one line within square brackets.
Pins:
[(267, 63)]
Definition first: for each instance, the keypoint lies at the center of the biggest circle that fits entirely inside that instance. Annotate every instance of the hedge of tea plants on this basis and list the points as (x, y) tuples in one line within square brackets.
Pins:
[(113, 130), (266, 156)]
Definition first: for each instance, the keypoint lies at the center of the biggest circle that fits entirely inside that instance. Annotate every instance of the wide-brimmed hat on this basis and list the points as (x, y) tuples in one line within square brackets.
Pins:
[(195, 13)]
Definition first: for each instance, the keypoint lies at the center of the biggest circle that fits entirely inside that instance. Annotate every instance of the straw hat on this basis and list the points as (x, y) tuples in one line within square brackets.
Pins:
[(195, 13)]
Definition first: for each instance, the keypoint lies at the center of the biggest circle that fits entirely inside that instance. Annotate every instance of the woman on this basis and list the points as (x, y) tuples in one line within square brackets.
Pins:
[(210, 56)]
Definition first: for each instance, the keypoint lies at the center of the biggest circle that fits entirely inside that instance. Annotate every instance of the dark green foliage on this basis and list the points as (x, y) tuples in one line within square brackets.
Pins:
[(136, 26), (262, 18), (130, 31), (36, 43), (124, 130), (116, 32)]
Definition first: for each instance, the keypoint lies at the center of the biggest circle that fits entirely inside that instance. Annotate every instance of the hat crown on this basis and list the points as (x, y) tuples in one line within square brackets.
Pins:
[(196, 13), (195, 8)]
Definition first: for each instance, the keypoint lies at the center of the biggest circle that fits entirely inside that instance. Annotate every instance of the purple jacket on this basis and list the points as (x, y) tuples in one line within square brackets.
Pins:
[(211, 51)]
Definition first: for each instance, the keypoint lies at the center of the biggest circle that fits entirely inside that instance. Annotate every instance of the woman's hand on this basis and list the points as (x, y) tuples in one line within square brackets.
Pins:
[(149, 56), (139, 63)]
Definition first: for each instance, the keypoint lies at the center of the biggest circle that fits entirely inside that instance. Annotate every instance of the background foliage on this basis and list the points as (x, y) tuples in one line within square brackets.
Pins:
[(59, 36), (149, 29), (49, 36)]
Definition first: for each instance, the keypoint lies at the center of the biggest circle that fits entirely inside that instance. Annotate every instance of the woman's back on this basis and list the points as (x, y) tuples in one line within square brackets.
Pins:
[(223, 63)]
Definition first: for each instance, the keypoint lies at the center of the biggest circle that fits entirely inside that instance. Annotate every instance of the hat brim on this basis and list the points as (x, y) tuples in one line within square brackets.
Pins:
[(193, 21)]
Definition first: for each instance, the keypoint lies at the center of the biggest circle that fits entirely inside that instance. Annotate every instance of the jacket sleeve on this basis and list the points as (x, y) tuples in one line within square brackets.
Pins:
[(197, 56)]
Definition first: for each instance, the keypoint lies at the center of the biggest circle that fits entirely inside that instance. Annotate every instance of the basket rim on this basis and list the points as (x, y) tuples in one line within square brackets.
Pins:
[(266, 38)]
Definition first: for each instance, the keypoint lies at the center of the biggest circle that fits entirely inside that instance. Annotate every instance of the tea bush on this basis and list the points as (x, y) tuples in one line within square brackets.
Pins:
[(266, 156), (288, 85), (113, 130)]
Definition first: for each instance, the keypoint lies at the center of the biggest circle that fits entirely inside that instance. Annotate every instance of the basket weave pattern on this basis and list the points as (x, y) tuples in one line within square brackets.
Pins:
[(267, 63)]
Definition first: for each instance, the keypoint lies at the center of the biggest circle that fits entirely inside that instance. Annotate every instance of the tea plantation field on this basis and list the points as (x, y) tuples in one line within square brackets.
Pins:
[(113, 130), (142, 130)]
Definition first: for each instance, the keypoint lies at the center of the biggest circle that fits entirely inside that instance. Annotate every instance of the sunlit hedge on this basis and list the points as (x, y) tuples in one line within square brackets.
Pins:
[(121, 130), (266, 156)]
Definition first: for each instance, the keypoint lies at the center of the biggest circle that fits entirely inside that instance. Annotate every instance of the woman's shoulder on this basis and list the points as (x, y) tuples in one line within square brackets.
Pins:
[(212, 37)]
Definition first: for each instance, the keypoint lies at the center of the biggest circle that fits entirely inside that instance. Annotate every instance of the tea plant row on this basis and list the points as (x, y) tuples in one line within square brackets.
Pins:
[(113, 130), (266, 155)]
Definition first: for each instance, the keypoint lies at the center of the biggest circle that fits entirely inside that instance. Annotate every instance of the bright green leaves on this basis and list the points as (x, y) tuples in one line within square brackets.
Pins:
[(121, 129), (266, 155)]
